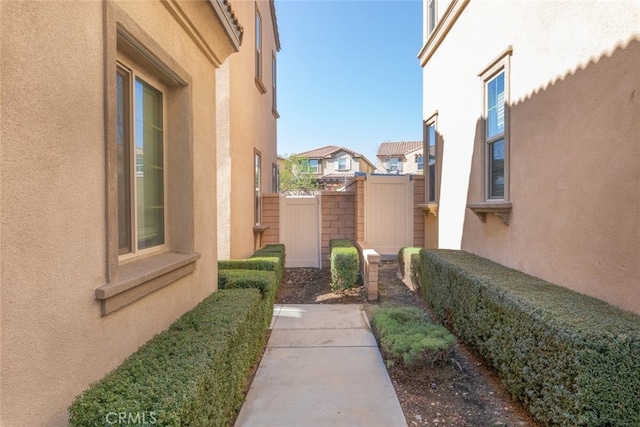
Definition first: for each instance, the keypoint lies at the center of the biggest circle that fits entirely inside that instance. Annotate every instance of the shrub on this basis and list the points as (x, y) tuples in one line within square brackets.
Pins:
[(271, 250), (571, 359), (190, 375), (270, 263), (407, 336), (345, 264), (265, 281)]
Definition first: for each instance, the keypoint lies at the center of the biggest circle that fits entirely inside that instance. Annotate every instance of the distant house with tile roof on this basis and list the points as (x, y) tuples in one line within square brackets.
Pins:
[(403, 157), (334, 165)]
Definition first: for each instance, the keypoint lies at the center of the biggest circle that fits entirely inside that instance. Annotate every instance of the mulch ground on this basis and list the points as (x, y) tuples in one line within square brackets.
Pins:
[(464, 393)]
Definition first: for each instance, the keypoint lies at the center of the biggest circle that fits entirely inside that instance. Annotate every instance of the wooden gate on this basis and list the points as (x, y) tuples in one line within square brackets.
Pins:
[(300, 230), (388, 213)]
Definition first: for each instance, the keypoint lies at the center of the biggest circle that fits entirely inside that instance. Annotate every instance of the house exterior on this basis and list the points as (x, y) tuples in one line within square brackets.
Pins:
[(333, 166), (535, 135), (247, 114), (400, 157), (110, 235)]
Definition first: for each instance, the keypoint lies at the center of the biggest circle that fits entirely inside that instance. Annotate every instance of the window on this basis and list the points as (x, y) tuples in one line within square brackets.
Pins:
[(344, 164), (275, 178), (256, 180), (431, 16), (430, 145), (274, 92), (140, 135), (394, 165), (420, 162), (314, 166), (258, 41), (496, 134)]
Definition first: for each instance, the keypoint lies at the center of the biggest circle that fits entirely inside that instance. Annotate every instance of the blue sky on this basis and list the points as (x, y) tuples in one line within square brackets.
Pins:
[(348, 74)]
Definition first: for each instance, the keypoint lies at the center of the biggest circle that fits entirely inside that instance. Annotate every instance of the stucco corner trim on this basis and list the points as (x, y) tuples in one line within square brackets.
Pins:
[(430, 208), (142, 277), (502, 210)]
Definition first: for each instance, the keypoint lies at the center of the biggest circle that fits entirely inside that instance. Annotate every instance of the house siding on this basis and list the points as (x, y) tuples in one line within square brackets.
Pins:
[(574, 173)]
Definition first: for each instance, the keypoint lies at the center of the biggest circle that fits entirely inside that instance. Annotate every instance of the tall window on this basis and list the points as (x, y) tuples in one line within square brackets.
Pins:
[(420, 162), (344, 164), (431, 16), (274, 92), (314, 166), (430, 134), (275, 178), (140, 136), (258, 46), (256, 180), (394, 165), (495, 114)]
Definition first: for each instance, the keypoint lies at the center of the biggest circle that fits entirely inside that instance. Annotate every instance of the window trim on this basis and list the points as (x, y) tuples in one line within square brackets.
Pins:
[(259, 71), (274, 85), (431, 121), (257, 186), (347, 164), (431, 23), (127, 282)]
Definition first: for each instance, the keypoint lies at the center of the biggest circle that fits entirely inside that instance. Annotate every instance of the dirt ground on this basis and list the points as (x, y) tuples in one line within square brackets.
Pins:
[(465, 393)]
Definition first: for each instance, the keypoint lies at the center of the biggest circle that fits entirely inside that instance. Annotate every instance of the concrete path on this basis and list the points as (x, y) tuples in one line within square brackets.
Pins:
[(321, 367)]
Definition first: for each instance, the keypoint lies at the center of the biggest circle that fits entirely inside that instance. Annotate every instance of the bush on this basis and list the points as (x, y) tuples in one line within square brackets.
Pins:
[(345, 264), (571, 359), (271, 250), (264, 281), (407, 336), (190, 375), (270, 263)]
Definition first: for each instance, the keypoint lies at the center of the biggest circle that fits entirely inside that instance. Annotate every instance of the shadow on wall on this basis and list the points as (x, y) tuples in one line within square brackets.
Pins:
[(573, 171)]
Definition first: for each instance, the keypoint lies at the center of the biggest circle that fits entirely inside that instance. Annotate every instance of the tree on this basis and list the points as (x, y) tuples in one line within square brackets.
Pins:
[(297, 175)]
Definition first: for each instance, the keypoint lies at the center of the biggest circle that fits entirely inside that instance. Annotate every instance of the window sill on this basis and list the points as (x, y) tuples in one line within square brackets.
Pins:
[(275, 113), (500, 209), (138, 279), (261, 88), (430, 208)]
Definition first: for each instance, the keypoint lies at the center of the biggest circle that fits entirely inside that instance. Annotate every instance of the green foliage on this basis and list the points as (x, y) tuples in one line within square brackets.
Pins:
[(272, 262), (407, 336), (189, 375), (345, 264), (571, 359), (265, 281), (297, 175)]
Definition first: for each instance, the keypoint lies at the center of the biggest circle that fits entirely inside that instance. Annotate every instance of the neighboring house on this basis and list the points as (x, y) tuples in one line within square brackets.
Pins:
[(111, 236), (536, 138), (400, 158), (333, 166), (246, 118)]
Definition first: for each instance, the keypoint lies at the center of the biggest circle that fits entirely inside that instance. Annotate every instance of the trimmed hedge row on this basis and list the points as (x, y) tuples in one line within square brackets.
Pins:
[(345, 264), (190, 375), (571, 359), (269, 258)]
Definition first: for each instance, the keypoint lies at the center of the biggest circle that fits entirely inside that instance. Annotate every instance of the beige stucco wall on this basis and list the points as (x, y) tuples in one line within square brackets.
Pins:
[(252, 127), (52, 195), (574, 176)]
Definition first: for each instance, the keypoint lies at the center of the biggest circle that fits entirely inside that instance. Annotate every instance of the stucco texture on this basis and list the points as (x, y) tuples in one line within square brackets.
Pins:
[(53, 235), (574, 169)]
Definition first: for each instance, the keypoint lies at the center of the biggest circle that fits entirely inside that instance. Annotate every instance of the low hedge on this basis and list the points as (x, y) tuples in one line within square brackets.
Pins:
[(269, 263), (271, 250), (408, 261), (345, 264), (408, 337), (571, 359), (264, 281), (190, 375)]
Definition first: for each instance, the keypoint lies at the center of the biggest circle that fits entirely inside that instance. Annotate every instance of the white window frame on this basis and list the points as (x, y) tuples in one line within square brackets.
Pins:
[(134, 174), (501, 65), (347, 164), (257, 184), (394, 164), (314, 168), (431, 122)]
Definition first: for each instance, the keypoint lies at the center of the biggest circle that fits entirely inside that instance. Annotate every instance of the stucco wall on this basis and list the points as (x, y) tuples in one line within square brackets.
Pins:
[(53, 190), (573, 141), (252, 124)]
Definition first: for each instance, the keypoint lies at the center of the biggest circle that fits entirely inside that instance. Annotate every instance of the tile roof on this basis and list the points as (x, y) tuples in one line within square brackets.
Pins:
[(398, 148), (327, 151), (338, 175)]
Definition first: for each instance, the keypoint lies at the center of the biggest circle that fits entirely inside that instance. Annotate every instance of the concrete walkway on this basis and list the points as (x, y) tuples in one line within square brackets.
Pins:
[(321, 367)]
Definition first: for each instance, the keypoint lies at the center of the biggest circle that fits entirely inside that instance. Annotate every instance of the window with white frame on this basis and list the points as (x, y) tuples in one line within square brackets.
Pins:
[(314, 166), (394, 165), (420, 162), (344, 163), (140, 136), (430, 146), (495, 136)]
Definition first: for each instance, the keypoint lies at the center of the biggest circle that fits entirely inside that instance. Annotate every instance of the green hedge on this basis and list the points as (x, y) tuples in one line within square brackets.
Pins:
[(265, 281), (190, 375), (345, 264), (270, 263), (408, 337), (571, 359)]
